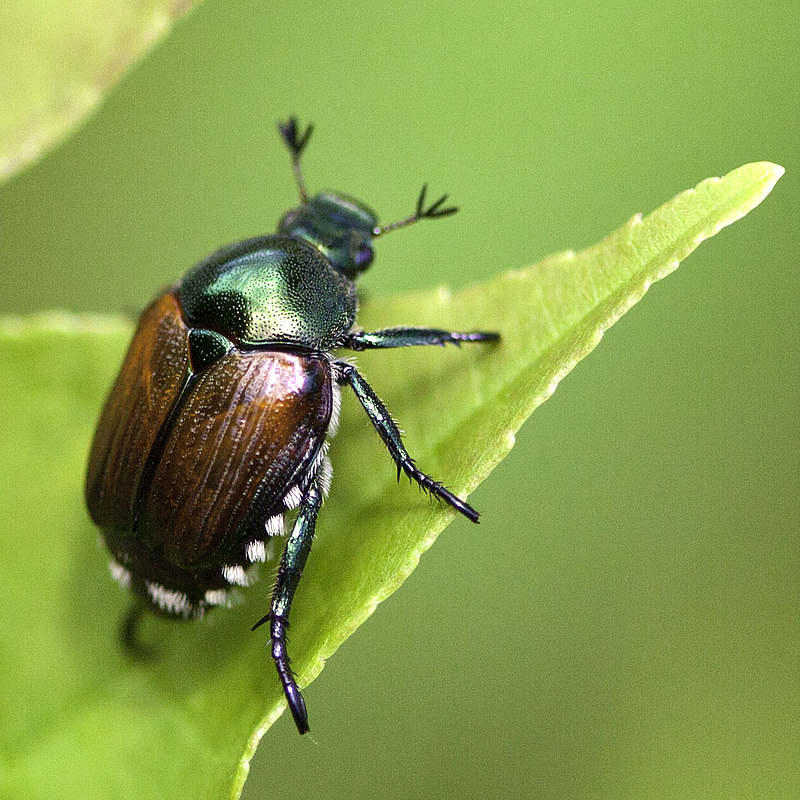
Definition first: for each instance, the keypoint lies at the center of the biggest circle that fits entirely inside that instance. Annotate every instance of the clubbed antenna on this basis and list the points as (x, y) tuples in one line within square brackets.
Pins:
[(434, 211), (296, 142)]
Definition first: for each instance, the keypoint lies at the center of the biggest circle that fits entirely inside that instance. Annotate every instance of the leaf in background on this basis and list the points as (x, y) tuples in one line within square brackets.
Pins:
[(58, 59), (80, 721)]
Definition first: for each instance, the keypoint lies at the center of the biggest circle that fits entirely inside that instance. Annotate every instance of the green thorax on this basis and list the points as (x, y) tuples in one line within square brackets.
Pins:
[(270, 290)]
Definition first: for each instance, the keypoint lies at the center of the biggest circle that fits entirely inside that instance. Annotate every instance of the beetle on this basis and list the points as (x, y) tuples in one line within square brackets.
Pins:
[(220, 419)]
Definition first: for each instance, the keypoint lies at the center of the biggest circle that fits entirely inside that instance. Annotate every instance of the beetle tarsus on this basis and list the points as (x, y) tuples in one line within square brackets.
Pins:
[(294, 697), (437, 490), (297, 705)]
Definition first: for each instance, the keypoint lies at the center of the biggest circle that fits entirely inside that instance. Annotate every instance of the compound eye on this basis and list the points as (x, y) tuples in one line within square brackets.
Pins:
[(363, 257)]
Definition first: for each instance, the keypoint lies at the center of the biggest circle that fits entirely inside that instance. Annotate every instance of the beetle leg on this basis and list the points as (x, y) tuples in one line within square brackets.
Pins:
[(129, 634), (408, 337), (293, 560), (389, 432)]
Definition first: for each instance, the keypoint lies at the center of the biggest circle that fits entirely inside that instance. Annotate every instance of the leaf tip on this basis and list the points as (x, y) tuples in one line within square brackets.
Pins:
[(764, 173)]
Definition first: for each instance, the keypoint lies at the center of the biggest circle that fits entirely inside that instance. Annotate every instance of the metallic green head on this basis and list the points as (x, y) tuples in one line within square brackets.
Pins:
[(340, 227)]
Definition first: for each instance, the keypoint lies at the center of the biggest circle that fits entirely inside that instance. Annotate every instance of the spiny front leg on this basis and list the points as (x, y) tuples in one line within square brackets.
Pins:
[(293, 561), (389, 432)]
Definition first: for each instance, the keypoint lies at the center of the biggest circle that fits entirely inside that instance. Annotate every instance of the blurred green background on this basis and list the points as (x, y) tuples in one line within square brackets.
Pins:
[(637, 631)]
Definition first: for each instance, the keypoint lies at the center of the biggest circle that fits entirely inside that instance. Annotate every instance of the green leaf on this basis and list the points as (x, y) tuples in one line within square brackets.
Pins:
[(78, 719), (58, 59)]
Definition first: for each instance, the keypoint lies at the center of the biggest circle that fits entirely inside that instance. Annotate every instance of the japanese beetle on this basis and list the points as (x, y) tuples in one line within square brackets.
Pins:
[(219, 421)]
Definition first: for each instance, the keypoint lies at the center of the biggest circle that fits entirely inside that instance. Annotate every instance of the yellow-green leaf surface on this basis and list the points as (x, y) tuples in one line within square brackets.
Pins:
[(78, 720), (57, 60)]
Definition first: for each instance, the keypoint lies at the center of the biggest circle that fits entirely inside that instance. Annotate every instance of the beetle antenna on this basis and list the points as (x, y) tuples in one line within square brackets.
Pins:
[(433, 211), (296, 143)]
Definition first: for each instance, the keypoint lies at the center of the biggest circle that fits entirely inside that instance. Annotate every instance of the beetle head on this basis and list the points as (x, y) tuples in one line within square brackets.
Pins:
[(340, 227)]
